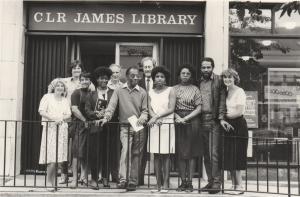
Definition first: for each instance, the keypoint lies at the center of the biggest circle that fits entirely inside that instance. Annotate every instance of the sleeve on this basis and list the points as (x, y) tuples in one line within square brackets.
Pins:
[(44, 103), (89, 108), (240, 97), (197, 97), (112, 105), (144, 111), (75, 98)]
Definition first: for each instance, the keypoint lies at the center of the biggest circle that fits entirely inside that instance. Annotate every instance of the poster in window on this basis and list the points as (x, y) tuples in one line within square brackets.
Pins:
[(251, 113)]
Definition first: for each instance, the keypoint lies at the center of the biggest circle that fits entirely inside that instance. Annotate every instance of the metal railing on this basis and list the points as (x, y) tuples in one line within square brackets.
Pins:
[(273, 167)]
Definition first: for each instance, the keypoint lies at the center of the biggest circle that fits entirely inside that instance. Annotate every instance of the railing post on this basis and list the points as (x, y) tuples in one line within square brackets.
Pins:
[(288, 167), (56, 156), (4, 155)]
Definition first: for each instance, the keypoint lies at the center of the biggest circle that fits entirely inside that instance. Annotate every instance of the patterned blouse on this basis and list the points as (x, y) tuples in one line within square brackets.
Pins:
[(187, 97)]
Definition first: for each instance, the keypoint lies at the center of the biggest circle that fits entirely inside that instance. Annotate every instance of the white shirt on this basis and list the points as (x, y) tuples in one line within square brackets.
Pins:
[(237, 98), (114, 86), (101, 93), (150, 83)]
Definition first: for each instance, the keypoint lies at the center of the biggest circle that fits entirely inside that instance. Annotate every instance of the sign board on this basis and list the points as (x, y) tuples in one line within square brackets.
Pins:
[(130, 17), (251, 113)]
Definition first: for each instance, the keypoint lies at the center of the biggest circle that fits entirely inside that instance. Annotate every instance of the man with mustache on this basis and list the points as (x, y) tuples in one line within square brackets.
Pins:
[(213, 110)]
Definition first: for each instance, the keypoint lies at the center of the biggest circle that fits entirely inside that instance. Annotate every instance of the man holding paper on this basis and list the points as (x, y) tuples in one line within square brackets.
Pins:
[(132, 104)]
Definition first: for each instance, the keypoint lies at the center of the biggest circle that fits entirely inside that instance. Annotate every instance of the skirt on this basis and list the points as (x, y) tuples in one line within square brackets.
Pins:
[(187, 138), (234, 145)]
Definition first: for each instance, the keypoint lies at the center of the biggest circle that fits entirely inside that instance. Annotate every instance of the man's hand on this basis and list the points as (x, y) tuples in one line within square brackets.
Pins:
[(101, 122), (227, 127), (140, 121)]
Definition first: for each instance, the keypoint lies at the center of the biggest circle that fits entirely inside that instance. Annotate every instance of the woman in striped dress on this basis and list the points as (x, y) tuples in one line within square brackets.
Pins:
[(188, 141)]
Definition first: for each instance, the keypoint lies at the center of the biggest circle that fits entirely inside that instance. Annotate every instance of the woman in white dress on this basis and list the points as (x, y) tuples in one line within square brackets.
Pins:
[(55, 110), (161, 140)]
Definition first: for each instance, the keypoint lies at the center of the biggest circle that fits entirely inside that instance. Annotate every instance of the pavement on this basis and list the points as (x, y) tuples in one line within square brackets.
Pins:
[(30, 185)]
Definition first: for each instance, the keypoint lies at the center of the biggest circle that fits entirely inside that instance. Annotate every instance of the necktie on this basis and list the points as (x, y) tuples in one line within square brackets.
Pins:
[(103, 96), (148, 84)]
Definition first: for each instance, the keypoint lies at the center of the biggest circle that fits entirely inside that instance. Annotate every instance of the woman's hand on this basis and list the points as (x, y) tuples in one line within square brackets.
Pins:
[(152, 121), (178, 119), (227, 127)]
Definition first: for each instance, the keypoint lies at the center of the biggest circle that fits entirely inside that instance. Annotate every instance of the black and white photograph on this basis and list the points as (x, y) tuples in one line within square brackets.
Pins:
[(150, 98)]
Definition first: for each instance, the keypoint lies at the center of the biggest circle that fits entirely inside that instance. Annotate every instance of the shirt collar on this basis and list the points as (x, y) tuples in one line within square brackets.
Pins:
[(126, 86)]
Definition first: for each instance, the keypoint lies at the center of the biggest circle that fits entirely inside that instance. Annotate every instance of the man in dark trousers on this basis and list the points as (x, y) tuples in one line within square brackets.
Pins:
[(146, 82), (213, 110)]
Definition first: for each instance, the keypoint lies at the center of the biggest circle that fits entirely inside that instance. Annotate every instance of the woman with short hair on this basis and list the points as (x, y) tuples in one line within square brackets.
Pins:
[(55, 111), (188, 140), (161, 139)]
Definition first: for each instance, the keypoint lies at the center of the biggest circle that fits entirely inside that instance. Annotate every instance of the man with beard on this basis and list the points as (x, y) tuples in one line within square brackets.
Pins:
[(131, 100), (213, 110)]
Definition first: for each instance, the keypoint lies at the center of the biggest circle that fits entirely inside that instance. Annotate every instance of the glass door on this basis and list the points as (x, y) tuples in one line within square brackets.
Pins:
[(131, 53)]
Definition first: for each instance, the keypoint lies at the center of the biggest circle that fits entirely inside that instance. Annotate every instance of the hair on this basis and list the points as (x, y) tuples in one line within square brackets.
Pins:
[(209, 59), (233, 73), (85, 75), (73, 64), (65, 87), (100, 71), (116, 65), (160, 69), (149, 58), (192, 71), (131, 67)]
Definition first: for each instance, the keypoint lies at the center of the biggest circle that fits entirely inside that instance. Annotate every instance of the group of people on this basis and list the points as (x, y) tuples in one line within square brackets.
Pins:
[(197, 118)]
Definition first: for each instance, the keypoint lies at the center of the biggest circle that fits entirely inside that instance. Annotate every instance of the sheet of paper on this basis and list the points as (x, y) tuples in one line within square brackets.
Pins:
[(133, 122)]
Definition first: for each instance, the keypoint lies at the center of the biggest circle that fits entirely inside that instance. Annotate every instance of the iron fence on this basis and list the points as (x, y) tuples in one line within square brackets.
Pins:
[(272, 167)]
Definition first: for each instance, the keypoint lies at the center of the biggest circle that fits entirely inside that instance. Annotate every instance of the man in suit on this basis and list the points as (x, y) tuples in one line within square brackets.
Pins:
[(148, 63)]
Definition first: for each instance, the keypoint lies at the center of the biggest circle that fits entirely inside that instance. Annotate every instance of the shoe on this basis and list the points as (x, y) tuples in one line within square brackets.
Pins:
[(189, 187), (164, 191), (131, 187), (105, 183), (239, 189), (182, 186), (215, 188), (121, 185), (207, 187), (63, 179), (155, 191), (93, 185), (82, 181)]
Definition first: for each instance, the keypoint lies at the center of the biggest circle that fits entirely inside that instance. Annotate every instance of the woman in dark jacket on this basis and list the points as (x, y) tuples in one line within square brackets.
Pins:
[(98, 147)]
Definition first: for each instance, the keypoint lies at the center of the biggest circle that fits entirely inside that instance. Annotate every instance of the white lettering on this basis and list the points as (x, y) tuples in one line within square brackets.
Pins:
[(182, 19), (151, 19), (172, 20), (161, 19), (61, 17), (110, 18), (143, 19), (134, 21), (120, 18), (97, 18), (77, 20), (36, 15), (192, 18), (85, 18), (48, 18)]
